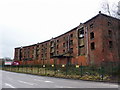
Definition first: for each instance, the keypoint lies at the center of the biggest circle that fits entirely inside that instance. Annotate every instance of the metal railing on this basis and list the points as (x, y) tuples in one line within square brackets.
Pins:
[(98, 73)]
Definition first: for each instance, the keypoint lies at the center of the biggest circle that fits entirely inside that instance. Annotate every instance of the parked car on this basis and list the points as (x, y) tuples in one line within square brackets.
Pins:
[(16, 63)]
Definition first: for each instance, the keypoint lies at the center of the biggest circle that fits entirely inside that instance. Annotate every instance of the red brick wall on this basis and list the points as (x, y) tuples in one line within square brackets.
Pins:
[(102, 51), (40, 53)]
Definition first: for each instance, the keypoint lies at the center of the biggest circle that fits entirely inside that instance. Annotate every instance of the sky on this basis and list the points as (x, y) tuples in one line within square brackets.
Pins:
[(27, 22)]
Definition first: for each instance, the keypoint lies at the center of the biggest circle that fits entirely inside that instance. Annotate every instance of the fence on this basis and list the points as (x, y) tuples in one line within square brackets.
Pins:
[(102, 72)]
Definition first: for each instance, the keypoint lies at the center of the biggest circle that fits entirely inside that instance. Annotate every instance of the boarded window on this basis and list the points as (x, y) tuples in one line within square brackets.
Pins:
[(81, 42)]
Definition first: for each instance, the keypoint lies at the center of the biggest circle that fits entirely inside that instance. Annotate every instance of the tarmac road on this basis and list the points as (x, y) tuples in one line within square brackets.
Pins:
[(19, 80)]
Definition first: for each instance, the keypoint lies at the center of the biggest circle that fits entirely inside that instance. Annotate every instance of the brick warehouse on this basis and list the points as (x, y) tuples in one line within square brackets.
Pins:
[(92, 42)]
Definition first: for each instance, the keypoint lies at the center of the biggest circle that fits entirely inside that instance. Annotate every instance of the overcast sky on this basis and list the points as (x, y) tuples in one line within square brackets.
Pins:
[(26, 22)]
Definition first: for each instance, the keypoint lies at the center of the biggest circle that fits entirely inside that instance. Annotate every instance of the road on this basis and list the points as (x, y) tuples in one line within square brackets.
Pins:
[(19, 80)]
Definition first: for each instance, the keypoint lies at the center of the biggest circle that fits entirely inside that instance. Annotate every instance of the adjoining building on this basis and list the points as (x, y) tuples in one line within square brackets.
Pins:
[(92, 42), (5, 62)]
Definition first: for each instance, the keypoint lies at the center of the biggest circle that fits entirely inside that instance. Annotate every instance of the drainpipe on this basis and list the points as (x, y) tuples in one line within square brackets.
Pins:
[(87, 45)]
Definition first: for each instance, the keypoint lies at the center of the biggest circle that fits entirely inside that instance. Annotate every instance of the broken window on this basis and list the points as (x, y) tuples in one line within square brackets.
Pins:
[(57, 46), (71, 42), (109, 23), (51, 55), (81, 50), (63, 44), (52, 43), (71, 35), (57, 41), (63, 51), (92, 46), (92, 35), (42, 50), (42, 55), (110, 44), (81, 41), (57, 52), (64, 38), (81, 34), (71, 50), (91, 25), (45, 54), (110, 33), (52, 50), (81, 46)]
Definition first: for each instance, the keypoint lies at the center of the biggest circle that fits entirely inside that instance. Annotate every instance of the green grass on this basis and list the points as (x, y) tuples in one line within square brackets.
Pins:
[(72, 73)]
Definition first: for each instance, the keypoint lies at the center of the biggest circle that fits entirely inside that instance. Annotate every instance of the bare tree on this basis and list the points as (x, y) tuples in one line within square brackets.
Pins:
[(111, 9), (118, 8)]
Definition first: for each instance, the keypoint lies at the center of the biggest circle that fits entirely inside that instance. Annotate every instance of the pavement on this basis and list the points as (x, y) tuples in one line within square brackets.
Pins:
[(19, 80)]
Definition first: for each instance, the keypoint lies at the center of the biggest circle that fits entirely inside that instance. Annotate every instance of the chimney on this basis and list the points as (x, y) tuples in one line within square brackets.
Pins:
[(99, 12), (81, 23)]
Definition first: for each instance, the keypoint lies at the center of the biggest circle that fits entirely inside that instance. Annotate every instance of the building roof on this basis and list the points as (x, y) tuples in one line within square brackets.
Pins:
[(72, 29), (47, 40), (102, 15)]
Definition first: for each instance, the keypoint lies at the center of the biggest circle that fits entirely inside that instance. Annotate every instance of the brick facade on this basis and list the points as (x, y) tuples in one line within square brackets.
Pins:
[(92, 42)]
